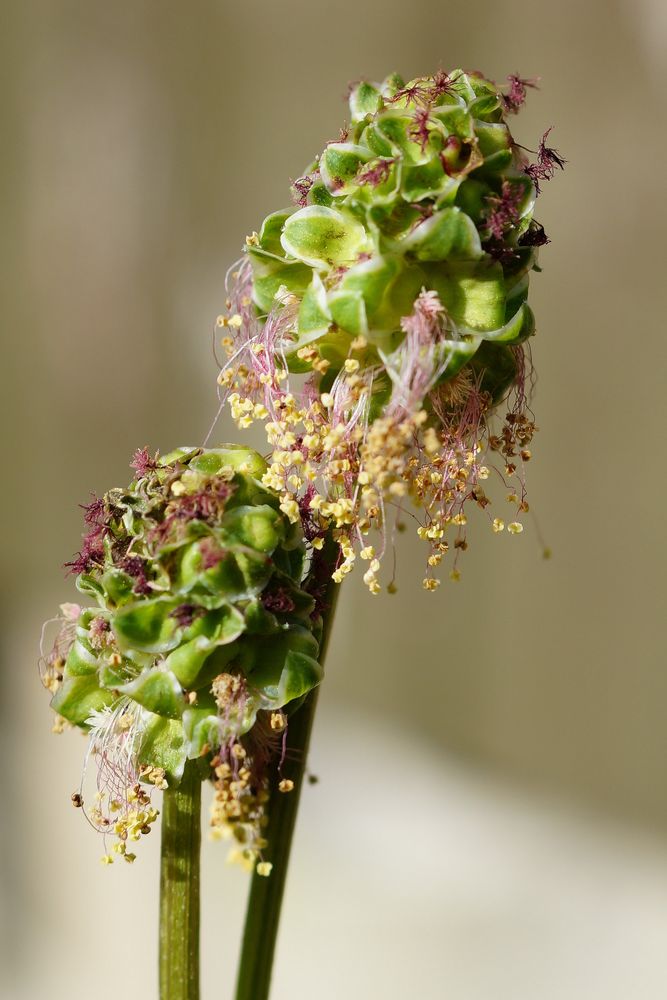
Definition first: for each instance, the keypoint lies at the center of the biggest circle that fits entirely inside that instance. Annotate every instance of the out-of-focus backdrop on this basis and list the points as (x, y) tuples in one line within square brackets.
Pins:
[(491, 819)]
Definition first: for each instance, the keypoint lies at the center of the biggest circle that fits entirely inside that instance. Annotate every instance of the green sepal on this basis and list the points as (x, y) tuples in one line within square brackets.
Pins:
[(112, 676), (486, 107), (205, 728), (517, 293), (225, 581), (365, 99), (394, 125), (392, 220), (157, 690), (222, 625), (163, 745), (271, 276), (446, 235), (81, 660), (427, 180), (249, 490), (516, 330), (471, 197), (493, 138), (271, 231), (495, 145), (455, 119), (290, 560), (147, 625), (473, 293), (314, 312), (461, 85), (236, 575), (375, 280), (118, 586), (349, 311), (87, 584), (299, 675), (269, 658), (319, 194), (78, 697), (202, 729), (376, 141), (255, 572), (178, 456), (323, 237), (259, 621), (339, 166), (229, 456), (391, 85), (197, 662), (259, 527)]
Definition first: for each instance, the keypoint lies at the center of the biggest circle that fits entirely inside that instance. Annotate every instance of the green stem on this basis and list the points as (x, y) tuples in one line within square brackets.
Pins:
[(179, 888), (266, 893)]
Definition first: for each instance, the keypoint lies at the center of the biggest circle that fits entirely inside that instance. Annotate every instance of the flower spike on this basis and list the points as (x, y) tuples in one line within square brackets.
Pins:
[(379, 327), (199, 639)]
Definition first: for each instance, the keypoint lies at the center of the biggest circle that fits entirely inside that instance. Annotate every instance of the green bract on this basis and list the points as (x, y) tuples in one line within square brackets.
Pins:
[(426, 190), (193, 572)]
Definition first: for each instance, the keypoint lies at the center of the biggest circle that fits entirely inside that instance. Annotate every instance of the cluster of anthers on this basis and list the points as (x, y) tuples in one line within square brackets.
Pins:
[(241, 780), (380, 329), (337, 469)]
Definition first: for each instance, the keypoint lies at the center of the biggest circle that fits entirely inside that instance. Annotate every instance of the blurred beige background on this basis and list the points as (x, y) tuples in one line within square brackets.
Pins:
[(491, 821)]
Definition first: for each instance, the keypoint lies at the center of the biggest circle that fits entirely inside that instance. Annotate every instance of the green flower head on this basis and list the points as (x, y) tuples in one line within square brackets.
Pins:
[(426, 189), (397, 288), (198, 635)]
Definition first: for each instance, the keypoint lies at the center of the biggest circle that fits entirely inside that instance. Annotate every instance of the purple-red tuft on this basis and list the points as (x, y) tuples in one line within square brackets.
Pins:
[(548, 161), (142, 462), (515, 97), (504, 209)]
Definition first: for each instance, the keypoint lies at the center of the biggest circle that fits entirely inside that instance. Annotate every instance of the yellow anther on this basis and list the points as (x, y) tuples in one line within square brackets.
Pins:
[(290, 508), (278, 721)]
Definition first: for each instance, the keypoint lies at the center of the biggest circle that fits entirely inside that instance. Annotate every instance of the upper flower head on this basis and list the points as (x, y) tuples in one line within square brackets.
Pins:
[(397, 285)]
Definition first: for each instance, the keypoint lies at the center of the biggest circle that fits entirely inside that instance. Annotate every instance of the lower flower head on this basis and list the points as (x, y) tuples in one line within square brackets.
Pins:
[(199, 631)]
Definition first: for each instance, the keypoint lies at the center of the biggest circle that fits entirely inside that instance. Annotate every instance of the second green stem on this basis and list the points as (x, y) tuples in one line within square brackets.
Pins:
[(266, 893)]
